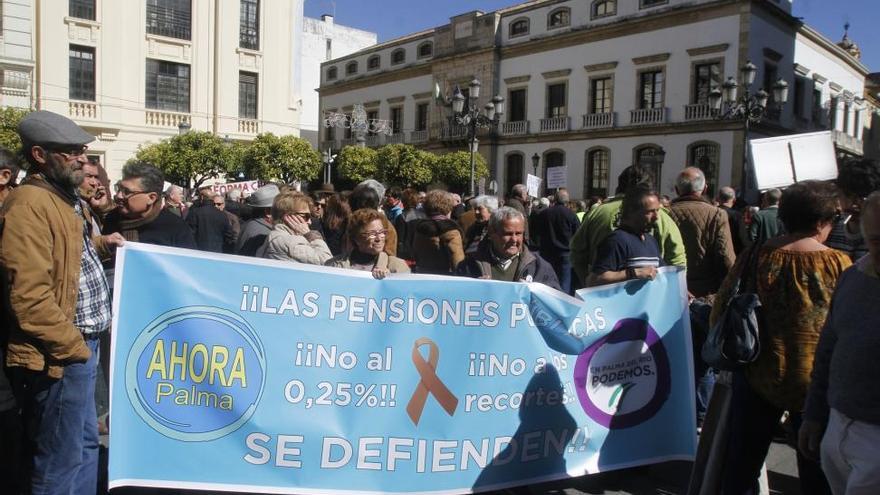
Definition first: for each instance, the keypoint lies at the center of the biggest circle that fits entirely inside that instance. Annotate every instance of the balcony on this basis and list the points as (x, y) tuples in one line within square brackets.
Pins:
[(517, 128), (555, 124), (648, 116), (396, 138), (418, 136), (454, 131), (83, 109), (248, 126), (845, 142), (159, 118), (699, 111), (373, 140), (604, 120)]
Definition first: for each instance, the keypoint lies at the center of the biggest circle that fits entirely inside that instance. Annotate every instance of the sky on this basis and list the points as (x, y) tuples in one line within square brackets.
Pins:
[(393, 18)]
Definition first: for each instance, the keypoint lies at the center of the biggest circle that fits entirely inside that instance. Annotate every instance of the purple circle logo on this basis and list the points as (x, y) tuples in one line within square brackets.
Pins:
[(624, 379)]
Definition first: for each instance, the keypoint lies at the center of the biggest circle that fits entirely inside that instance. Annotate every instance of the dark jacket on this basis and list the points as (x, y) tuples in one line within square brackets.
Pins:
[(437, 245), (532, 268), (210, 227), (765, 225), (404, 224), (166, 230), (253, 235), (553, 229)]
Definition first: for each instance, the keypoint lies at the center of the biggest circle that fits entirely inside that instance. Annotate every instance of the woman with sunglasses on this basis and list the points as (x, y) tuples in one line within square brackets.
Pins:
[(291, 237), (365, 250)]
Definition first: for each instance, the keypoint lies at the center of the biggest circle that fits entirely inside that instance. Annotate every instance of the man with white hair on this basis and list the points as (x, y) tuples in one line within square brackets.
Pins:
[(233, 202), (174, 201), (709, 250)]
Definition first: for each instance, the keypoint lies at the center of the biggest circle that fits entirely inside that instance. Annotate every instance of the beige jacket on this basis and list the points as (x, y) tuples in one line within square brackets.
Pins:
[(41, 245)]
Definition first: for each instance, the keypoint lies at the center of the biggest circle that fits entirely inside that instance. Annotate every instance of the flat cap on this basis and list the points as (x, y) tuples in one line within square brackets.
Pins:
[(44, 127), (263, 197)]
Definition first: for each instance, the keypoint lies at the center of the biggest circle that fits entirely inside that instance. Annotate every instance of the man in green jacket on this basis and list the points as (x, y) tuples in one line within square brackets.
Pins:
[(600, 222)]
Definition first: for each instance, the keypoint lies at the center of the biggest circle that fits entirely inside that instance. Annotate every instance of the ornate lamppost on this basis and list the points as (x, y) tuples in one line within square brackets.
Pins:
[(749, 108), (466, 113), (358, 122)]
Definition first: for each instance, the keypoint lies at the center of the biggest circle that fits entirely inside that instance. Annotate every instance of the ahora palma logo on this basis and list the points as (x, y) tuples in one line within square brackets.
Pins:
[(196, 374)]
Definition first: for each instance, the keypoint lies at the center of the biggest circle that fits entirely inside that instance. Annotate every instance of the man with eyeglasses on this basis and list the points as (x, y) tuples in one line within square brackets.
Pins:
[(139, 215), (59, 301)]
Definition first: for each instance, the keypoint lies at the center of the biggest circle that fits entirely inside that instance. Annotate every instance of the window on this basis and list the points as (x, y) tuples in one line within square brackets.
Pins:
[(396, 120), (330, 133), (422, 117), (643, 4), (328, 50), (847, 109), (515, 173), (707, 77), (81, 9), (832, 112), (770, 76), (601, 90), (398, 56), (596, 178), (332, 73), (425, 50), (517, 105), (249, 25), (603, 8), (651, 89), (705, 157), (373, 62), (800, 89), (519, 27), (172, 18), (247, 95), (351, 68), (372, 115), (556, 101), (559, 18), (650, 156), (167, 86), (82, 73), (817, 106)]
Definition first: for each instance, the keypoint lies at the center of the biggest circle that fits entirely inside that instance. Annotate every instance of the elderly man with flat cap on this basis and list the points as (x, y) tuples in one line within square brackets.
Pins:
[(60, 305)]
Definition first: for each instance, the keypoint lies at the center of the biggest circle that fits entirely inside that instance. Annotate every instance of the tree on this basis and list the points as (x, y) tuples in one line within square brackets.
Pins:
[(9, 120), (404, 165), (455, 169), (357, 164), (189, 159), (285, 158)]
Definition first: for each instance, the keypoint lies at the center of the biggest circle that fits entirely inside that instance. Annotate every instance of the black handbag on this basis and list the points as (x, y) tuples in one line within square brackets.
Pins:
[(734, 340)]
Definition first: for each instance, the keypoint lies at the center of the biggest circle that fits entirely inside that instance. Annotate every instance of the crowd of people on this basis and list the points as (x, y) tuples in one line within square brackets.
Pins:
[(62, 224)]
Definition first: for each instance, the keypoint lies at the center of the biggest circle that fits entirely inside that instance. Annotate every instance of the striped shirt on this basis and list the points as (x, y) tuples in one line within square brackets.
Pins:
[(93, 296), (622, 250)]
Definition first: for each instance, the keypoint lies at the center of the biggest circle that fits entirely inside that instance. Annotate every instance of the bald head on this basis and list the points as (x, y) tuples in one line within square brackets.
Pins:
[(726, 196), (691, 181)]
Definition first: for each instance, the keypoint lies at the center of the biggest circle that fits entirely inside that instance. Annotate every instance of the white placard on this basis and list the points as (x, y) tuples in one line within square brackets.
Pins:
[(246, 187), (533, 184), (557, 177), (782, 161)]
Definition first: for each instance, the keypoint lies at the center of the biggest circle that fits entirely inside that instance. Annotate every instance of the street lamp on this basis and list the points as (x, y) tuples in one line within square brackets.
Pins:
[(536, 159), (466, 113), (749, 108), (358, 122)]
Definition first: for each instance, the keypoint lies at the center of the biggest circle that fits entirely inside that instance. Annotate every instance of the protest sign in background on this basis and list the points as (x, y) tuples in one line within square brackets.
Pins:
[(238, 374)]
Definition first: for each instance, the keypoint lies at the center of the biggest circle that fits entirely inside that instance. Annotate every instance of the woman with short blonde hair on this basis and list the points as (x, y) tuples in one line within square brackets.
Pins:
[(291, 237)]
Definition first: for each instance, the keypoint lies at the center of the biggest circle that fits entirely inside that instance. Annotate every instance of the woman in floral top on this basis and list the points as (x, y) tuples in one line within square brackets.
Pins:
[(794, 276)]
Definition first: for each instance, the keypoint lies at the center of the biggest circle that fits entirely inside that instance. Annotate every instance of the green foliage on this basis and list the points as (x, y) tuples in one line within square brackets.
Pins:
[(9, 119), (404, 165), (285, 158), (357, 164), (189, 159), (454, 169)]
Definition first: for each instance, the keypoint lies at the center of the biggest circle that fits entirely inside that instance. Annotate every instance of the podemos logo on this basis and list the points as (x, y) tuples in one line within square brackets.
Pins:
[(196, 373), (623, 379)]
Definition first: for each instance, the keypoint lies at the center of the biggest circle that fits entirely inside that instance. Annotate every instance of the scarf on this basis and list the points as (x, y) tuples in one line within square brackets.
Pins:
[(128, 228)]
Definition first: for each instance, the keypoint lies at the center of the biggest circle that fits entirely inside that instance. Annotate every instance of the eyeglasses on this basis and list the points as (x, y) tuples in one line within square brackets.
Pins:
[(307, 216), (127, 193), (374, 234), (320, 205), (219, 204), (70, 153)]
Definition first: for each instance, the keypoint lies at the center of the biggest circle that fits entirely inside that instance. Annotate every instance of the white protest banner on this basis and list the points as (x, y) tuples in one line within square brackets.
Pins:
[(246, 187), (557, 177), (782, 161), (533, 184)]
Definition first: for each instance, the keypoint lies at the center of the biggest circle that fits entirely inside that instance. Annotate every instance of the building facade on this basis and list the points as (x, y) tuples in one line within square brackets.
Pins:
[(138, 71), (16, 53), (594, 86), (323, 40)]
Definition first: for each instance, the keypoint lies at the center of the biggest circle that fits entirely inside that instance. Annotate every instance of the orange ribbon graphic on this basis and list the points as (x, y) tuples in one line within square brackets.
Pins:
[(429, 382)]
